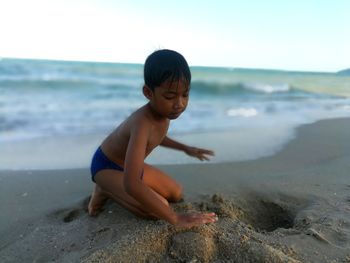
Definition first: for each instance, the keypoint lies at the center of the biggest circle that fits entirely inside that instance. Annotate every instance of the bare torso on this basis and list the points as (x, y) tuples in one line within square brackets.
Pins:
[(116, 144)]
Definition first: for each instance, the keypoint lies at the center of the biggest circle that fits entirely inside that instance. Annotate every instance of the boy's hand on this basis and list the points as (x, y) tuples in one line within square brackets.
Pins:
[(198, 153), (195, 219)]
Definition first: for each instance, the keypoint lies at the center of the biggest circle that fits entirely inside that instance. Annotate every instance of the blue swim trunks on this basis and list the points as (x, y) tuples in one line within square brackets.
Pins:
[(100, 162)]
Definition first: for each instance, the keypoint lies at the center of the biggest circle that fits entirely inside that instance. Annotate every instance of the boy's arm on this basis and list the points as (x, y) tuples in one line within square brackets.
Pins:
[(134, 164), (192, 151), (170, 143)]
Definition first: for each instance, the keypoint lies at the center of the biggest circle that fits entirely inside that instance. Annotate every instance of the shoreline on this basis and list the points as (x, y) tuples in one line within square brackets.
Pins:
[(39, 154), (307, 181)]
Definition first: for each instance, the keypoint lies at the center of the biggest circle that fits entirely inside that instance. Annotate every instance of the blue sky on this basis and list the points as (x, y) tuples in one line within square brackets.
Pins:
[(304, 35)]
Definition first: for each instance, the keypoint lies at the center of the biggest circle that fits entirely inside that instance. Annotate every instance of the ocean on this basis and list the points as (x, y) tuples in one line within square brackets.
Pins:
[(53, 108)]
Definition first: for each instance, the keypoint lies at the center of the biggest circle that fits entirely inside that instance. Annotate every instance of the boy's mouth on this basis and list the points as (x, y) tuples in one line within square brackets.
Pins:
[(175, 114)]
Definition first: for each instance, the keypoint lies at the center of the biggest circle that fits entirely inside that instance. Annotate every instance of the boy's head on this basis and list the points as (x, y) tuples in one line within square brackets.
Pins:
[(167, 82), (165, 65)]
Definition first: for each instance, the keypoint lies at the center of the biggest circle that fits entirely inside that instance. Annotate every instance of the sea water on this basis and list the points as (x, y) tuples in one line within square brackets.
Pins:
[(54, 113)]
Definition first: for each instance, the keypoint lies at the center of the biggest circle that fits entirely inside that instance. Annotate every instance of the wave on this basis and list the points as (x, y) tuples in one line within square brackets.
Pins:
[(16, 71), (199, 86), (64, 80), (268, 88), (242, 112)]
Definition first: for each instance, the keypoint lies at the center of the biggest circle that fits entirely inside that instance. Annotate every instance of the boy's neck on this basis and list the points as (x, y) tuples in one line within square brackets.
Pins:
[(156, 116)]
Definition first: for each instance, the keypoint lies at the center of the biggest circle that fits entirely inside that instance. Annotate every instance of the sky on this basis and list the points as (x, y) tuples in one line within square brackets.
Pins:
[(305, 35)]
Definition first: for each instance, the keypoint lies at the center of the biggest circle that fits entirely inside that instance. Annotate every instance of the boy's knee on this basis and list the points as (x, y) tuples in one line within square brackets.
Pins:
[(177, 194)]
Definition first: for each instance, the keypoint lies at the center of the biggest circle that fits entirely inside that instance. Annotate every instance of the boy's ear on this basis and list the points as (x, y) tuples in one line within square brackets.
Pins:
[(147, 92)]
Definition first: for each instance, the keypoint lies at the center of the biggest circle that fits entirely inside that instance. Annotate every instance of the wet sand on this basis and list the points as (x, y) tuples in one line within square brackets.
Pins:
[(291, 207)]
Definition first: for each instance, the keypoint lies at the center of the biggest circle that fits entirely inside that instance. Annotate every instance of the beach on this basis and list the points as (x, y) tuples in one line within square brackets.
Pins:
[(292, 206)]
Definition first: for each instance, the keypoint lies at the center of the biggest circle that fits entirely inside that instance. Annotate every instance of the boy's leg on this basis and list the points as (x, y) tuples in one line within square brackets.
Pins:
[(161, 183), (110, 184)]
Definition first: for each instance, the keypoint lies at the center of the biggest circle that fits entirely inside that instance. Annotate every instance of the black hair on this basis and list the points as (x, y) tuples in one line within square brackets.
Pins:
[(163, 65)]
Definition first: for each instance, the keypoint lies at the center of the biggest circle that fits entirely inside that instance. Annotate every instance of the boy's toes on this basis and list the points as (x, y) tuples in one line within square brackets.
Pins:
[(93, 211), (97, 200), (90, 211), (94, 208)]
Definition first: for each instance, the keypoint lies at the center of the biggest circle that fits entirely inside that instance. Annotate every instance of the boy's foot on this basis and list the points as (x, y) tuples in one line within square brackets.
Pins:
[(97, 200)]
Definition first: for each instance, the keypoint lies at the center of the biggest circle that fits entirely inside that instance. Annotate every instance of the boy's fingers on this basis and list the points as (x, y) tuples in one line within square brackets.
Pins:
[(208, 152), (209, 216), (203, 157), (202, 218), (209, 220), (201, 215)]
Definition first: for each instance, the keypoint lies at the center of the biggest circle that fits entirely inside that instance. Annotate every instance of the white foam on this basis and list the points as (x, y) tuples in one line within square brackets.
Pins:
[(346, 107), (268, 88), (242, 112)]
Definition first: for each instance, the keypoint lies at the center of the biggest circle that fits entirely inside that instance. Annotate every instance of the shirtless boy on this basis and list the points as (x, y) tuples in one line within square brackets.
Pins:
[(118, 167)]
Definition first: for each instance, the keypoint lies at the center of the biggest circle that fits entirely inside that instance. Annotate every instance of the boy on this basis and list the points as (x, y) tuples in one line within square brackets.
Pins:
[(118, 167)]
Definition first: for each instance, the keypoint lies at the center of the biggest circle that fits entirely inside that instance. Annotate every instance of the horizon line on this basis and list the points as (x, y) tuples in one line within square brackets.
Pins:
[(191, 66)]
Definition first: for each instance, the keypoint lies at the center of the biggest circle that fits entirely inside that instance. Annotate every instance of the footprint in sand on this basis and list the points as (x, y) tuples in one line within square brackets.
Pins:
[(66, 215), (71, 215)]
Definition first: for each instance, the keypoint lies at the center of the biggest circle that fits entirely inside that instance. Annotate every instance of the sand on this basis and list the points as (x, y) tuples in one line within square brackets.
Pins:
[(293, 206)]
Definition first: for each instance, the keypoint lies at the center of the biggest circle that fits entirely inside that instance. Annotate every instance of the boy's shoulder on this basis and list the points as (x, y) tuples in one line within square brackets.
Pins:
[(139, 118), (144, 119)]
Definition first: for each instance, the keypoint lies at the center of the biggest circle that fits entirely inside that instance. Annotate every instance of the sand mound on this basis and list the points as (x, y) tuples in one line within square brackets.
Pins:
[(233, 238)]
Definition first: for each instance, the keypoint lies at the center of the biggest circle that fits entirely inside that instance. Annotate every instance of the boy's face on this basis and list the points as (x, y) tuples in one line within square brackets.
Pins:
[(170, 99)]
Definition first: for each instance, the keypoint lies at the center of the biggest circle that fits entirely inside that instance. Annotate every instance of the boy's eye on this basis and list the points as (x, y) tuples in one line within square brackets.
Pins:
[(169, 95), (185, 95)]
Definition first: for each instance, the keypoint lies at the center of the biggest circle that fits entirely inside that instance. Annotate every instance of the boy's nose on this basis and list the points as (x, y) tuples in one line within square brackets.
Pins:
[(180, 103)]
